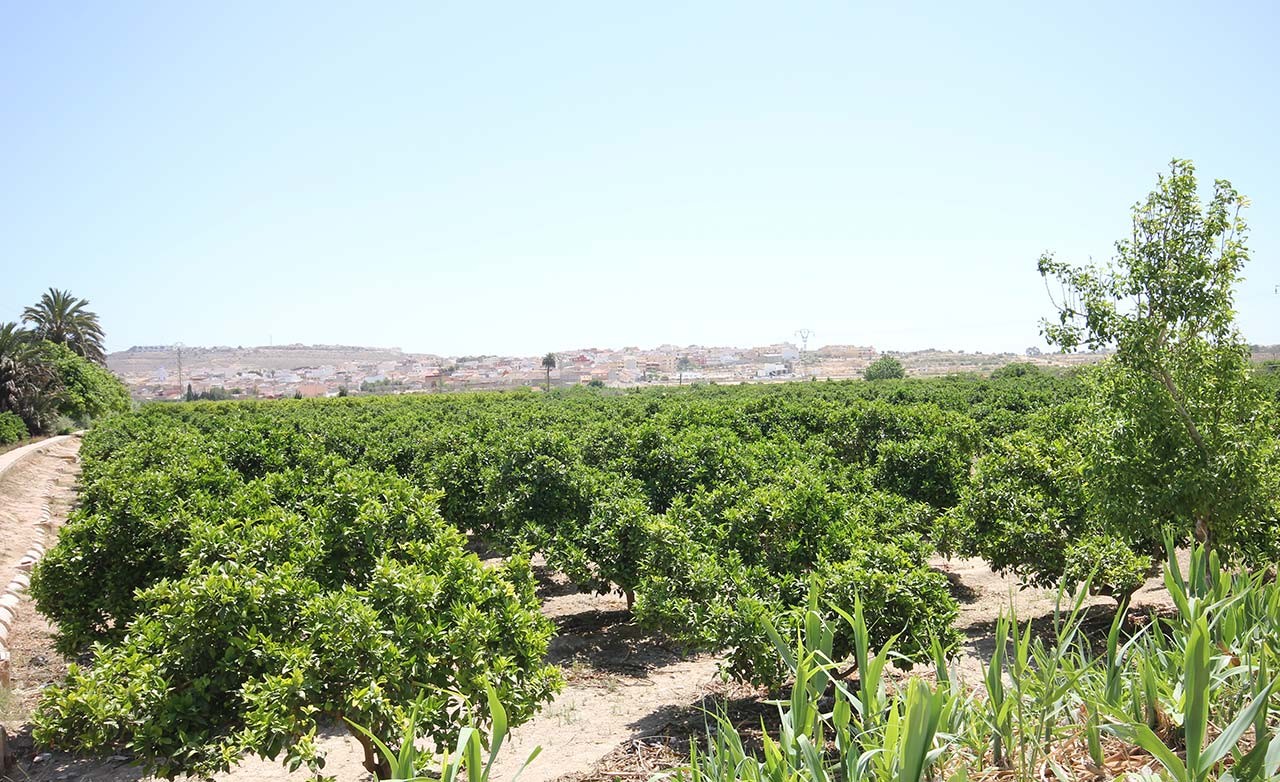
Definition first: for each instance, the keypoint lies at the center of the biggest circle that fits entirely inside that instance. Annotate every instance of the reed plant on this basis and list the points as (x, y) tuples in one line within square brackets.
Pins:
[(1190, 697)]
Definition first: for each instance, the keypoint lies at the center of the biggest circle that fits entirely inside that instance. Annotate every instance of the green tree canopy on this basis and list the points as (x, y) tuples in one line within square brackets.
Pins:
[(1180, 438), (89, 391), (64, 319), (885, 368), (1016, 369)]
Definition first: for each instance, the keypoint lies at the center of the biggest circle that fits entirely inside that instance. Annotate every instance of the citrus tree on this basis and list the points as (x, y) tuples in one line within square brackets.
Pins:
[(286, 621)]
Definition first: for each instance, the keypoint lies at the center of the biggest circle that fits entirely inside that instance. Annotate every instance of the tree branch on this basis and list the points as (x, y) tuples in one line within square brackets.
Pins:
[(1163, 375)]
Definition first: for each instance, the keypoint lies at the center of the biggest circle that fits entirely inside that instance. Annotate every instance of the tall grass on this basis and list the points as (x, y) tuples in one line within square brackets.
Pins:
[(1189, 698)]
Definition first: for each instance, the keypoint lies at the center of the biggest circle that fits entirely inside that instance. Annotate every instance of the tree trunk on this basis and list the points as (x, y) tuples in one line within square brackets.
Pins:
[(631, 598), (378, 766), (1204, 533)]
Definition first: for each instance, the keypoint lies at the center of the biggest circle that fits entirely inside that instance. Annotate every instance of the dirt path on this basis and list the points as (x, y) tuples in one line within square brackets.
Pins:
[(620, 685), (984, 595), (13, 454), (36, 482), (36, 488)]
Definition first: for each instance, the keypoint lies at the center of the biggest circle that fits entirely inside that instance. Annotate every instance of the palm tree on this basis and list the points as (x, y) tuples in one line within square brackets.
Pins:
[(548, 364), (62, 318), (29, 385)]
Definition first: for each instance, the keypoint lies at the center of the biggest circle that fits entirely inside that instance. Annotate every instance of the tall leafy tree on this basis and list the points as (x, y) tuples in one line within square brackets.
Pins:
[(885, 368), (89, 391), (64, 319), (29, 385), (1181, 439)]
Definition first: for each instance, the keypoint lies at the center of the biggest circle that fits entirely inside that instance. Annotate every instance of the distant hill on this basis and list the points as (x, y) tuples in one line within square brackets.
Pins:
[(143, 360), (142, 365)]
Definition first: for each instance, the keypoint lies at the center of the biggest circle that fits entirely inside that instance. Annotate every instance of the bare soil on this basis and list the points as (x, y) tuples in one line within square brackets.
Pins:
[(984, 595), (26, 486), (629, 708)]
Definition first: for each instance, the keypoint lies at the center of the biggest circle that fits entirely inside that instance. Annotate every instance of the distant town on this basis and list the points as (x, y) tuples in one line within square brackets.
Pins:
[(169, 372)]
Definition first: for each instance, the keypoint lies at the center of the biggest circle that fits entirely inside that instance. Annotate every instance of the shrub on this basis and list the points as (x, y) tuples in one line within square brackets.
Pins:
[(1115, 569), (1026, 511), (608, 547), (1024, 506), (902, 598), (707, 594), (929, 469), (677, 463), (233, 658), (128, 533), (12, 429)]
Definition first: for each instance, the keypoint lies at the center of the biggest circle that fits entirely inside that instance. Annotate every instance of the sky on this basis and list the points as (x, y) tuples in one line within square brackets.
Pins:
[(513, 178)]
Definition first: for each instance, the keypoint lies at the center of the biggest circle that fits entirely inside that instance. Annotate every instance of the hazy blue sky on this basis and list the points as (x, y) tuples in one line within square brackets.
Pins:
[(514, 178)]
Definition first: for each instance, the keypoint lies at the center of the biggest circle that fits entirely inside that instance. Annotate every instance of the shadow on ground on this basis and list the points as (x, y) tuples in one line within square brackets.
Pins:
[(607, 642), (1095, 624), (661, 739), (961, 591)]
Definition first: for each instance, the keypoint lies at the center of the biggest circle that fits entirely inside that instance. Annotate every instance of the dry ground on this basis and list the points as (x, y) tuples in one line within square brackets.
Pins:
[(629, 706)]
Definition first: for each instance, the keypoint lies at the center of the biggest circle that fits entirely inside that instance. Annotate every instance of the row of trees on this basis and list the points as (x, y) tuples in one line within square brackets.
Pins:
[(52, 372), (709, 507)]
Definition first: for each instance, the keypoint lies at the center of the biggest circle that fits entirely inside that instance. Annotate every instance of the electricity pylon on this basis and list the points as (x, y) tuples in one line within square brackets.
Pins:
[(804, 335), (178, 346)]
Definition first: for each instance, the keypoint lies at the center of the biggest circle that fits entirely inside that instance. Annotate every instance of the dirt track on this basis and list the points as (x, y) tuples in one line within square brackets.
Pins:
[(36, 486), (624, 691)]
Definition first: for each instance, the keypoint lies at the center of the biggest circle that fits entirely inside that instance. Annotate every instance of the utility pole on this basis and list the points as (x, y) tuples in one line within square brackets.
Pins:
[(178, 347), (804, 335)]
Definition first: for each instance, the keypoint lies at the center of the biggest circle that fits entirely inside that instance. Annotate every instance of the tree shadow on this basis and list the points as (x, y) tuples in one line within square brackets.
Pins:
[(961, 591), (482, 547), (551, 583), (663, 737), (32, 764), (607, 642), (1095, 625)]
